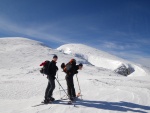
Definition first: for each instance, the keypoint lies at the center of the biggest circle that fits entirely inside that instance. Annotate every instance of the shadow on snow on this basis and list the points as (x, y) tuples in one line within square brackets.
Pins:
[(114, 106)]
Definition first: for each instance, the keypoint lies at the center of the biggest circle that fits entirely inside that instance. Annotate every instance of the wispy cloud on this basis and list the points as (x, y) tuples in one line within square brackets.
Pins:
[(39, 33), (119, 45), (133, 56), (129, 51), (54, 33), (144, 41), (143, 61)]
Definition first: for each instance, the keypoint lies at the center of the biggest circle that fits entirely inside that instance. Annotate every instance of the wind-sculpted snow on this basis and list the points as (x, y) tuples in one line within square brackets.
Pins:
[(22, 87), (102, 59)]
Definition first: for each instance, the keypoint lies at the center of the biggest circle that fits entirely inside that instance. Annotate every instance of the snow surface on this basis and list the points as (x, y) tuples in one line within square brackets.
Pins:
[(100, 58), (22, 87)]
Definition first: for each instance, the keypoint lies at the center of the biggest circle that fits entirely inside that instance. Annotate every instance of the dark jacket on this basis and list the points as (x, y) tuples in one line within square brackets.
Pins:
[(73, 70), (53, 69)]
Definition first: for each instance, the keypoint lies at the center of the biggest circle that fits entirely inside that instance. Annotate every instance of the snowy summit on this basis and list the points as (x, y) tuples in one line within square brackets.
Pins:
[(102, 59)]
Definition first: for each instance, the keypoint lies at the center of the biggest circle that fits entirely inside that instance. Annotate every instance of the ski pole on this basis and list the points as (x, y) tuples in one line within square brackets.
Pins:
[(62, 87), (59, 86), (79, 86)]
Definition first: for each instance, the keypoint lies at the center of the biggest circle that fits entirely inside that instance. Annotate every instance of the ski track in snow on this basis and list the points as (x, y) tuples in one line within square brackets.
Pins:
[(22, 86)]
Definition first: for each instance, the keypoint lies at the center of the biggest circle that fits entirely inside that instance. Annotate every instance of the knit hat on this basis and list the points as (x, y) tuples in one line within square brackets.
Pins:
[(81, 64), (55, 56)]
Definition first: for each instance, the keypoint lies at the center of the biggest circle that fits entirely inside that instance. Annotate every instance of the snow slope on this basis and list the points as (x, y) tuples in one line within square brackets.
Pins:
[(100, 58), (22, 87)]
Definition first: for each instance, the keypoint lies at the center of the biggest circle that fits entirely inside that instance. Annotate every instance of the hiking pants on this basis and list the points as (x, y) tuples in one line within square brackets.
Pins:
[(50, 88), (70, 86)]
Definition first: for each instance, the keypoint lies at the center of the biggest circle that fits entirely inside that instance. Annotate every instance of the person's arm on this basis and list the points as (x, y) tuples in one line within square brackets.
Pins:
[(76, 69), (56, 68)]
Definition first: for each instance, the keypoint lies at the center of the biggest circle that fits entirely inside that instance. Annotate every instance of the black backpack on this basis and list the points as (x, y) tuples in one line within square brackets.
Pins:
[(68, 67), (46, 68)]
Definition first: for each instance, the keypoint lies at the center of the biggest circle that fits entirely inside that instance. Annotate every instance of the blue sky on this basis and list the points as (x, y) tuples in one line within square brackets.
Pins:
[(120, 27)]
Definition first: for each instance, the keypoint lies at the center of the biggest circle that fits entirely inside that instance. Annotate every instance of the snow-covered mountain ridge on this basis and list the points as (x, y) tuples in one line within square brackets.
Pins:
[(102, 59), (22, 86)]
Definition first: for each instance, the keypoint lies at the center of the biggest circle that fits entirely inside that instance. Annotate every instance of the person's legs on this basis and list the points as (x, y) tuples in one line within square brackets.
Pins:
[(47, 90), (70, 86), (52, 87), (73, 93)]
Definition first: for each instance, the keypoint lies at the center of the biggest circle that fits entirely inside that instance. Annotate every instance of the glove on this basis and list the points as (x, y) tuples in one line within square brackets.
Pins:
[(76, 72)]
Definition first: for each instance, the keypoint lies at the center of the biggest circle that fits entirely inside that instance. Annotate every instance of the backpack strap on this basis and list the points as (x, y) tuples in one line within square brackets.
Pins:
[(48, 66)]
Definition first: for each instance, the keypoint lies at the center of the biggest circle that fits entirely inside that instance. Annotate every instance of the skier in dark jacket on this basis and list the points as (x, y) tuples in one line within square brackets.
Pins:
[(69, 79), (51, 80)]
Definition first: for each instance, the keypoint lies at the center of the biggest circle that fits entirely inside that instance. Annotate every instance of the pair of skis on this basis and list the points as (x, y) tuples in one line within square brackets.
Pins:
[(51, 102), (70, 102)]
